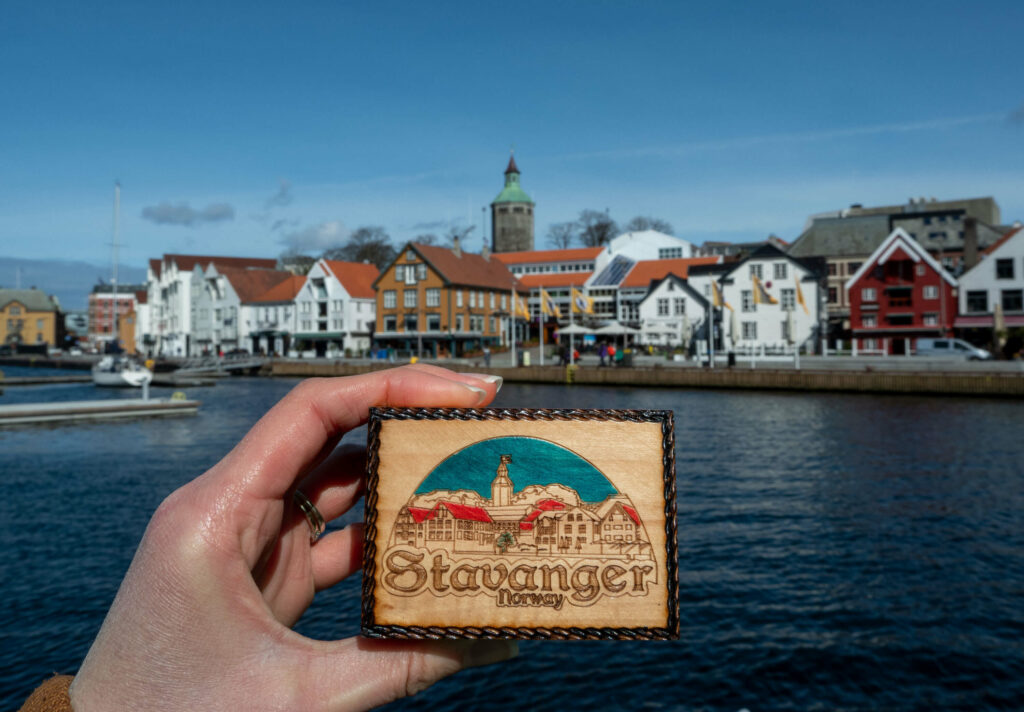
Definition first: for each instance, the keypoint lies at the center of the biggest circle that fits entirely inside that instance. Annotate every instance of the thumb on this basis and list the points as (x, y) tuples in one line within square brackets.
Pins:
[(375, 672)]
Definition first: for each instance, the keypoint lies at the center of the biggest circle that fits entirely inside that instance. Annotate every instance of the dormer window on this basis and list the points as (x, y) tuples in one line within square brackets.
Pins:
[(410, 255)]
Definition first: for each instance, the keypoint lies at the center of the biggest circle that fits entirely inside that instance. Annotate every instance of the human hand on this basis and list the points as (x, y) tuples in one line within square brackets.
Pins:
[(203, 617)]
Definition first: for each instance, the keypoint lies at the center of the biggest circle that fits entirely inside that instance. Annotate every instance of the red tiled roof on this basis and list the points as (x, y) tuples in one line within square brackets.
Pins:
[(356, 277), (283, 291), (512, 167), (188, 262), (995, 245), (251, 284), (554, 279), (532, 515), (572, 254), (632, 514), (142, 296), (525, 526), (548, 505), (420, 514), (469, 269), (155, 265), (465, 511), (645, 271)]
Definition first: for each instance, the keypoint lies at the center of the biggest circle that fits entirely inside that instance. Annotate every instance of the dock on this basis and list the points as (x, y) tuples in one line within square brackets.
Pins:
[(92, 410)]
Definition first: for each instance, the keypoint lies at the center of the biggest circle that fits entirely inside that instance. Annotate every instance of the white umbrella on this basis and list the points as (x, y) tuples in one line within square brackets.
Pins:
[(614, 328)]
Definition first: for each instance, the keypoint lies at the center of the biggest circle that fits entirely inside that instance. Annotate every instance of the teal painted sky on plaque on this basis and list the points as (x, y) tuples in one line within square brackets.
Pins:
[(534, 462)]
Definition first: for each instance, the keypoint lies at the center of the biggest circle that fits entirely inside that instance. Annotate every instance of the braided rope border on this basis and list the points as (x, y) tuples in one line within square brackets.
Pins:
[(371, 629)]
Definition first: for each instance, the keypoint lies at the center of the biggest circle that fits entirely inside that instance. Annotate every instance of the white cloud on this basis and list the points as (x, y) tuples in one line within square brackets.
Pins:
[(181, 214), (317, 238)]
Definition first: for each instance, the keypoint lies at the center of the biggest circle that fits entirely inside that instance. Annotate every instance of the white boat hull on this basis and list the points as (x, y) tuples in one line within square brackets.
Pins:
[(120, 374)]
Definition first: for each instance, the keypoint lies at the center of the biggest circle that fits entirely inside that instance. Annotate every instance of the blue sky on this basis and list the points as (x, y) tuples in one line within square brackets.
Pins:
[(243, 128)]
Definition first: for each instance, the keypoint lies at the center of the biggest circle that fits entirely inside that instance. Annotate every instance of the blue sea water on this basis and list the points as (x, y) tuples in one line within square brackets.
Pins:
[(837, 552)]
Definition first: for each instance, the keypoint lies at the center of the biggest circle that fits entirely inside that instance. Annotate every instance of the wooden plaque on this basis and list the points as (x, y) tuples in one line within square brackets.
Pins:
[(538, 524)]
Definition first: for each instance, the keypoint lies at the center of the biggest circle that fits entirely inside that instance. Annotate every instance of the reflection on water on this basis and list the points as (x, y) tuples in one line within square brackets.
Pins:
[(836, 551)]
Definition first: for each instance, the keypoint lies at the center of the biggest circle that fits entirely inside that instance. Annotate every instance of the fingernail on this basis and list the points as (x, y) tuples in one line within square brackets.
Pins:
[(487, 377), (481, 394), (488, 652)]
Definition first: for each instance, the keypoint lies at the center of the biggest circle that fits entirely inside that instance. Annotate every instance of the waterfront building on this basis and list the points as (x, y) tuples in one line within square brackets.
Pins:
[(172, 297), (437, 301), (623, 299), (105, 316), (737, 250), (995, 283), (76, 328), (512, 215), (671, 312), (29, 316), (899, 294), (650, 245), (846, 238), (336, 308), (225, 311), (272, 317)]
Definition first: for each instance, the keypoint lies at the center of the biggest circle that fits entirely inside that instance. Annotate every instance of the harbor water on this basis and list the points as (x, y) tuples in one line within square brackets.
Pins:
[(837, 552)]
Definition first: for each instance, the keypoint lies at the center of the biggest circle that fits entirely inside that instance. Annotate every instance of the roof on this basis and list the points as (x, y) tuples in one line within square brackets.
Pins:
[(465, 269), (554, 279), (814, 265), (646, 271), (512, 167), (141, 296), (682, 284), (512, 193), (34, 300), (899, 240), (251, 284), (420, 514), (188, 262), (632, 514), (356, 277), (465, 511), (284, 291), (1001, 241), (842, 237), (537, 256), (705, 270), (154, 266)]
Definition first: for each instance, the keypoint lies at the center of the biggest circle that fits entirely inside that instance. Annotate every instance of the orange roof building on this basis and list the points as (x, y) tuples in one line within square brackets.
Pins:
[(336, 308)]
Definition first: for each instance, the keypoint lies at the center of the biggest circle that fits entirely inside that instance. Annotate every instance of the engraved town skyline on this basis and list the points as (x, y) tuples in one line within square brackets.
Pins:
[(540, 520)]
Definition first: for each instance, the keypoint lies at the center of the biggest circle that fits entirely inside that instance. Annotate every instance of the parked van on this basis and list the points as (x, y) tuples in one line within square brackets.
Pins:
[(953, 348)]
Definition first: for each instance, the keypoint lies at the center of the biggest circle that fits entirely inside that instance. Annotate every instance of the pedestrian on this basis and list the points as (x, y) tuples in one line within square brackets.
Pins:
[(487, 356), (611, 354)]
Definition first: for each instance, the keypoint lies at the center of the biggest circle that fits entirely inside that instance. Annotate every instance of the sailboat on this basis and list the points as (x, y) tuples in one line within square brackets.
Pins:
[(118, 369)]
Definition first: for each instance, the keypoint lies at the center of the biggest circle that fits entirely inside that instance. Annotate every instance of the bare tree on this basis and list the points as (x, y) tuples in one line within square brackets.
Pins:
[(427, 238), (640, 223), (460, 233), (562, 235), (596, 228), (366, 244), (295, 262)]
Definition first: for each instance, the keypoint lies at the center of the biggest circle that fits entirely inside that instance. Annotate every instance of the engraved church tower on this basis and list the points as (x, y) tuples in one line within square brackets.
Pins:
[(512, 215), (501, 487)]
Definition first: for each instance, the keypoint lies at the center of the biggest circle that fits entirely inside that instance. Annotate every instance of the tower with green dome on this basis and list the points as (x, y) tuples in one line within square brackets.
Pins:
[(512, 215)]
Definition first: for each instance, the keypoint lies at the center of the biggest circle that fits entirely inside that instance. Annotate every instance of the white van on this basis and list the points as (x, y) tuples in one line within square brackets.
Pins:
[(952, 348)]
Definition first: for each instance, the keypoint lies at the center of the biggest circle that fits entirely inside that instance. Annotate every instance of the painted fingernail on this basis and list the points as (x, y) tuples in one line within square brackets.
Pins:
[(488, 652)]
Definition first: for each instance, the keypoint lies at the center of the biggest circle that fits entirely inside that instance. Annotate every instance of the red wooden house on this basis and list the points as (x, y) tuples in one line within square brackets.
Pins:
[(900, 294)]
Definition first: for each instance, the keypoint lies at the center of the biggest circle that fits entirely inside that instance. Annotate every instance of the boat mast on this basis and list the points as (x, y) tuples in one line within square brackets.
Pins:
[(113, 276)]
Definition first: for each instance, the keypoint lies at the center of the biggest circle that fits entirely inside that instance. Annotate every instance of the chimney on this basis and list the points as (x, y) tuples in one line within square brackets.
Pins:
[(970, 242), (485, 252), (456, 248)]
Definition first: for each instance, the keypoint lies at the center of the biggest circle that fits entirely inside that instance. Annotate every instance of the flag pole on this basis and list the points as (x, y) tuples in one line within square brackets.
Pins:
[(512, 306), (541, 318), (572, 336)]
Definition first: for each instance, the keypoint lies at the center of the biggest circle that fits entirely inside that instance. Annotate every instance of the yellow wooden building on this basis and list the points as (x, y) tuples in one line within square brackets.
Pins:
[(28, 316)]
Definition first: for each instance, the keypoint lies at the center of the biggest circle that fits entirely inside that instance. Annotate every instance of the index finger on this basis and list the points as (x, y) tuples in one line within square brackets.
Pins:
[(291, 437)]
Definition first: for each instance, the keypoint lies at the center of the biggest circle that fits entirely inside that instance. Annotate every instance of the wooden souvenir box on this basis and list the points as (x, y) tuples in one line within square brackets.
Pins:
[(516, 523)]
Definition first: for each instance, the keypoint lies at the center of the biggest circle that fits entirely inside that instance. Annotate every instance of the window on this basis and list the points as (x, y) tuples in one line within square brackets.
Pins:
[(869, 321), (1004, 269), (931, 292), (679, 306), (492, 300), (900, 319), (433, 297), (868, 294), (389, 299), (747, 299), (852, 267), (409, 298), (788, 298), (749, 330), (833, 295), (780, 270), (421, 271), (757, 271), (920, 270), (39, 323), (832, 269), (410, 275), (669, 253), (410, 255), (411, 323), (1013, 300), (930, 320), (400, 273), (458, 297), (459, 323), (663, 307), (15, 310), (433, 322), (785, 330), (504, 302), (493, 324), (389, 323)]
